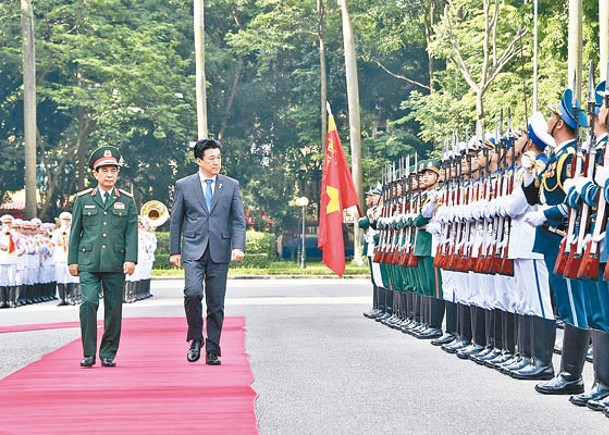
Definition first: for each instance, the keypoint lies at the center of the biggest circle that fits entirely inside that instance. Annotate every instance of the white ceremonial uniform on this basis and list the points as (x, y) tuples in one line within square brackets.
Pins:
[(531, 290)]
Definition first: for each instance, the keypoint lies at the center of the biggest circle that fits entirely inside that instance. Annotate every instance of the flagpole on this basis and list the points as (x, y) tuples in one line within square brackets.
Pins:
[(357, 257)]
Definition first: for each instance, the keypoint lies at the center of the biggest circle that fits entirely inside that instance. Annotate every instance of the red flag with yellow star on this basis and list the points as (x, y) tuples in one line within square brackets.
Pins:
[(337, 193)]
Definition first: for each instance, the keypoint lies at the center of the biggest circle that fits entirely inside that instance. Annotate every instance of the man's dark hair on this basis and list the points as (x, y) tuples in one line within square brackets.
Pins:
[(205, 144)]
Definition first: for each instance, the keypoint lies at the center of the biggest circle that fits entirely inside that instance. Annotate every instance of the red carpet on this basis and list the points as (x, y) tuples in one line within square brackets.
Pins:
[(152, 390)]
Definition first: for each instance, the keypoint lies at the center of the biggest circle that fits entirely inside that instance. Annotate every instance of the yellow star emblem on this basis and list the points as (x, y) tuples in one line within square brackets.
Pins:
[(333, 204)]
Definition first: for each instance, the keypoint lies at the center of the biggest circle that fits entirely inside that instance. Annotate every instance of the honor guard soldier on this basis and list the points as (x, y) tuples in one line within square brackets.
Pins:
[(548, 190), (103, 248), (7, 260), (429, 276), (590, 190), (20, 262), (66, 283), (531, 291), (368, 224)]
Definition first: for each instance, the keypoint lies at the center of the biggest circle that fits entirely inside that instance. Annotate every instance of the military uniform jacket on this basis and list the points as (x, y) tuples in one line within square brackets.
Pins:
[(103, 236), (548, 189)]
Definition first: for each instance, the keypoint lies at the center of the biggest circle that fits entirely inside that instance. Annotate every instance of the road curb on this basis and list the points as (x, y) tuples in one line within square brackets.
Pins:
[(174, 277)]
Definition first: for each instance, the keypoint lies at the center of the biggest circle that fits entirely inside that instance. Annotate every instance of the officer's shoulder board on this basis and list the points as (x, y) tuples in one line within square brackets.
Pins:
[(84, 192), (124, 192)]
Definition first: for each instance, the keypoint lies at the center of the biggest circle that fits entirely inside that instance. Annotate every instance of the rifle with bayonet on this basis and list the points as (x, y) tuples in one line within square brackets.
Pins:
[(383, 232), (501, 264), (455, 200), (588, 151), (404, 196), (507, 264), (566, 244), (440, 255), (414, 211), (589, 268)]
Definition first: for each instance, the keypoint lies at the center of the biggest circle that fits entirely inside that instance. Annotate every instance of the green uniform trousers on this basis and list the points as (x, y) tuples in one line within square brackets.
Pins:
[(113, 284)]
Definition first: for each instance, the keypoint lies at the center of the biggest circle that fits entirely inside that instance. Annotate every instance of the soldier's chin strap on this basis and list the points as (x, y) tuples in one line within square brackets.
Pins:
[(553, 128)]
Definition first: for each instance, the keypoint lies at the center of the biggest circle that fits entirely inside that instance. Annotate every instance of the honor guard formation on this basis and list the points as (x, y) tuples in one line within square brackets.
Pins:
[(501, 241), (34, 255)]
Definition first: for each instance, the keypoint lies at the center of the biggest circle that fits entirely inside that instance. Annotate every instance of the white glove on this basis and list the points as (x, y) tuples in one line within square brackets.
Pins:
[(578, 183), (535, 218), (568, 184), (434, 228), (501, 211), (601, 175), (428, 209), (526, 162), (528, 178)]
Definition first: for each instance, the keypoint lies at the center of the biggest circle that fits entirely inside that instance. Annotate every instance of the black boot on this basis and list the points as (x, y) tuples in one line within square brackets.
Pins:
[(387, 304), (436, 318), (369, 313), (464, 325), (451, 325), (569, 380), (425, 317), (522, 357), (478, 335), (12, 296), (3, 297), (410, 321), (61, 289), (489, 339), (415, 314), (600, 389), (543, 336), (508, 339)]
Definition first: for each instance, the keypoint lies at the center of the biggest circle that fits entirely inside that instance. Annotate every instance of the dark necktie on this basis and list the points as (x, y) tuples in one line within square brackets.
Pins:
[(209, 194), (106, 197)]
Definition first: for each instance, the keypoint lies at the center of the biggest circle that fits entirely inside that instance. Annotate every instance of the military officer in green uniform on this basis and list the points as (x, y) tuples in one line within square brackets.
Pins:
[(103, 248)]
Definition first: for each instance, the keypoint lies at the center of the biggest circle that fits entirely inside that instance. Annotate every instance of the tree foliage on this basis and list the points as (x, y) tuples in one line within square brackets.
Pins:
[(121, 72)]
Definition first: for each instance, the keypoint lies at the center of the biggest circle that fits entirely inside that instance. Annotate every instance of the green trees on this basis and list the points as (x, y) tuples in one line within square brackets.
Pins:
[(122, 72)]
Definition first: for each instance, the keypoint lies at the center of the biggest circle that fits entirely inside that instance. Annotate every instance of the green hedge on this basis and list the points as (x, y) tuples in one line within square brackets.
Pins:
[(259, 248)]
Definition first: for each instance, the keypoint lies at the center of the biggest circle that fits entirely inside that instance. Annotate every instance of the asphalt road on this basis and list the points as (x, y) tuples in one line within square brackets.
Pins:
[(320, 367)]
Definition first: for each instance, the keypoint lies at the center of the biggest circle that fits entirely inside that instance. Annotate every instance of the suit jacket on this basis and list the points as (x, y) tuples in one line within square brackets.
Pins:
[(194, 228), (103, 236)]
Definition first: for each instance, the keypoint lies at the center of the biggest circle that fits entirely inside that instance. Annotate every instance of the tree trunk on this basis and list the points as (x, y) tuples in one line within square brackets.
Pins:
[(603, 21), (81, 148), (322, 72), (199, 25), (354, 118), (480, 107), (428, 23), (29, 106), (231, 98), (575, 47), (353, 102)]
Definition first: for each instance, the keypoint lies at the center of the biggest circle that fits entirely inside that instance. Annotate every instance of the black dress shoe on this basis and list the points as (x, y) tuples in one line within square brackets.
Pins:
[(108, 362), (194, 353), (212, 359), (88, 361)]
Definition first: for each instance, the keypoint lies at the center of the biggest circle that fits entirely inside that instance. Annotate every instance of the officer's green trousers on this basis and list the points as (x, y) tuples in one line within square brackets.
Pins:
[(113, 284)]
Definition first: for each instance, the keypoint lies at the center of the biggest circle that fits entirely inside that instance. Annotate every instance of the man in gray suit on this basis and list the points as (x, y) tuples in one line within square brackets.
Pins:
[(207, 231)]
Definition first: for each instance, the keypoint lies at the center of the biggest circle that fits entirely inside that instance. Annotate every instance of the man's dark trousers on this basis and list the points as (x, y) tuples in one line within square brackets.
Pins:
[(214, 276)]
